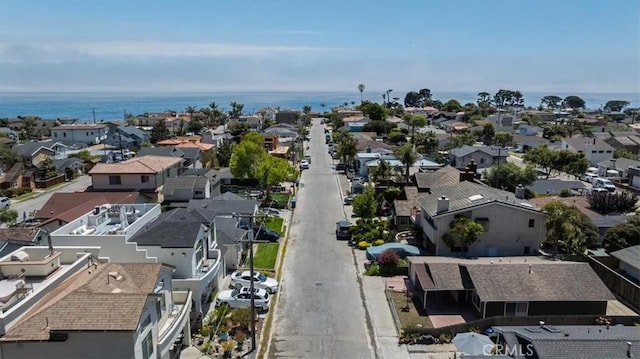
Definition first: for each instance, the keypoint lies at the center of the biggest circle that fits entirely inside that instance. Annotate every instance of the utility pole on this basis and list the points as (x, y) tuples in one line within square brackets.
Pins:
[(93, 110), (251, 240)]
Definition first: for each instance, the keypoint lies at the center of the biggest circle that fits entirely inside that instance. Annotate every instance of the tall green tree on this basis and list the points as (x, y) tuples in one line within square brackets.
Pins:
[(551, 102), (452, 106), (361, 89), (273, 170), (573, 102), (503, 138), (236, 109), (414, 121), (224, 153), (346, 146), (488, 132), (509, 176), (159, 132), (615, 105), (9, 157), (374, 111), (382, 173), (47, 169), (8, 216), (554, 162), (569, 231), (365, 204), (426, 143), (484, 100), (407, 156), (623, 235), (247, 156)]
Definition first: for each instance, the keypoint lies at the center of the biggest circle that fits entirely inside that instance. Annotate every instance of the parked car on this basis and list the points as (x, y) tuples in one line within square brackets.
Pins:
[(241, 298), (588, 177), (304, 165), (340, 167), (343, 230), (307, 158), (243, 279), (5, 202), (266, 234), (349, 199), (604, 183)]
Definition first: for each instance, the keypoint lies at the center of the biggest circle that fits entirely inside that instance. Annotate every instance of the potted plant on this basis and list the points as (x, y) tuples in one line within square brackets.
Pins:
[(223, 332), (228, 347), (240, 337)]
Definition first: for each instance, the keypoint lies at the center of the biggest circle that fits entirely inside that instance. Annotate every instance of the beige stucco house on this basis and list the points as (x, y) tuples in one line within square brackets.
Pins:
[(512, 225), (145, 173)]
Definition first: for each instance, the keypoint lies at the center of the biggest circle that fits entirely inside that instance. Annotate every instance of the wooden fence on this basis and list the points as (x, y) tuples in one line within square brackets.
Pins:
[(50, 182), (626, 290)]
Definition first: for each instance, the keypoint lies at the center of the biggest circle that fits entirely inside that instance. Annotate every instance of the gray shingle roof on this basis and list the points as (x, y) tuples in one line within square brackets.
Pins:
[(545, 282), (630, 255), (581, 143), (470, 194), (466, 150), (449, 276), (177, 228), (622, 163), (444, 176), (227, 230), (183, 183), (577, 342), (199, 172), (403, 207), (225, 207), (132, 131), (28, 148), (227, 196), (190, 152)]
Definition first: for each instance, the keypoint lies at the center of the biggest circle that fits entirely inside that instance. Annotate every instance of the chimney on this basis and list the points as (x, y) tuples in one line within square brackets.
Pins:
[(443, 204), (628, 349), (530, 269), (473, 167), (368, 149), (520, 192), (594, 140)]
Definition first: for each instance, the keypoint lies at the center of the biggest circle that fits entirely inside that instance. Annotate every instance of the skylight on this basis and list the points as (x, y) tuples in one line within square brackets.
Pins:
[(475, 197)]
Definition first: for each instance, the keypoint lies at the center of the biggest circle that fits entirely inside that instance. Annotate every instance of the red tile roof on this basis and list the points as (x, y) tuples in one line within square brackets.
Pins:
[(69, 206)]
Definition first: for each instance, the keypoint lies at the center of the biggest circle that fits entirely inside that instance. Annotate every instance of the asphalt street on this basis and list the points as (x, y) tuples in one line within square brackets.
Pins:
[(321, 311)]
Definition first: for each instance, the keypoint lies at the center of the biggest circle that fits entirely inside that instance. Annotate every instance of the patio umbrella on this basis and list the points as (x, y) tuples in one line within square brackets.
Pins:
[(473, 343)]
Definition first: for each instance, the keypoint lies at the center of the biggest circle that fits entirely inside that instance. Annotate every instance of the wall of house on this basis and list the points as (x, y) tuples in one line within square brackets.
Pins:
[(90, 136), (597, 156), (482, 159), (501, 237), (492, 309), (568, 308), (87, 345), (114, 247), (630, 270), (179, 195), (128, 182)]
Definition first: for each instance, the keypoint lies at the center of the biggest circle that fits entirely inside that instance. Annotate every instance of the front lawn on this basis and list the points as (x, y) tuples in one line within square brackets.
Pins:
[(411, 318), (265, 255), (281, 200), (274, 223)]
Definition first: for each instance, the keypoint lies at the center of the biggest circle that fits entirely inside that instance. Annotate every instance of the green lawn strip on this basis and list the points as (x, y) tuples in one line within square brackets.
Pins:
[(274, 224), (265, 255), (280, 198), (412, 318)]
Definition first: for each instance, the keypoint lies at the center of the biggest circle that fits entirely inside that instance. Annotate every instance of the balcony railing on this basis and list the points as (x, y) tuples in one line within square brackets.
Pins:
[(177, 320)]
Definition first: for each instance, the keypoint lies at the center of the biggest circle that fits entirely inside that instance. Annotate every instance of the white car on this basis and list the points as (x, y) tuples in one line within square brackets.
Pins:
[(304, 165), (241, 298), (604, 183), (588, 177), (243, 279), (5, 202)]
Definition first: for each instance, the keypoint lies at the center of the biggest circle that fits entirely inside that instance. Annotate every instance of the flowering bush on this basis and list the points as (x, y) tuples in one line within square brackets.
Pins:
[(388, 258), (364, 244), (378, 242)]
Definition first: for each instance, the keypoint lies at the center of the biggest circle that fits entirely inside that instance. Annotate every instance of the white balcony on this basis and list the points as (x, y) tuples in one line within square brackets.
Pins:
[(176, 323)]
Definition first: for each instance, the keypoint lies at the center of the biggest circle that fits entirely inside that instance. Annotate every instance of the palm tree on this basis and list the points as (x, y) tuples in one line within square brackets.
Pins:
[(382, 173), (361, 89), (190, 110), (414, 121), (407, 156), (323, 105), (346, 147)]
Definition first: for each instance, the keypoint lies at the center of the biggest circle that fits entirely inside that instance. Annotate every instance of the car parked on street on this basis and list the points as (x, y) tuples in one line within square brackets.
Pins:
[(243, 279), (349, 199), (604, 183), (304, 165), (343, 230), (5, 202), (589, 177), (241, 298)]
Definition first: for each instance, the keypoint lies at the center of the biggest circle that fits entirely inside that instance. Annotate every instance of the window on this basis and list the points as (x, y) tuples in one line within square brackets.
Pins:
[(114, 180), (144, 179), (475, 299), (55, 134), (147, 346), (519, 309), (527, 250), (199, 253), (87, 133), (64, 134), (532, 223), (482, 160), (145, 323)]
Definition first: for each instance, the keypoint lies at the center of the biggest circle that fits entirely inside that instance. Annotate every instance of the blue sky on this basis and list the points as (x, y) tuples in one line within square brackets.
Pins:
[(331, 45)]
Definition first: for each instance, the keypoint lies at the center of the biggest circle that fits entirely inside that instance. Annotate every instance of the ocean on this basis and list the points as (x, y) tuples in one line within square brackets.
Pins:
[(112, 106)]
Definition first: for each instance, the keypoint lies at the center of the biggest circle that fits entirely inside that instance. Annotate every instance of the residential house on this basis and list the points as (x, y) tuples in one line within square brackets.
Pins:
[(209, 173), (90, 134), (594, 149), (63, 208), (17, 176), (164, 151), (362, 158), (106, 310), (38, 151), (427, 111), (528, 130), (483, 156), (184, 189), (345, 112), (140, 233), (521, 235), (144, 173), (356, 123), (627, 141), (178, 123), (151, 119), (216, 139), (229, 237), (629, 261), (502, 122), (372, 145), (17, 237), (518, 286), (288, 116), (229, 206), (634, 177), (525, 142), (129, 137), (7, 142), (9, 133), (71, 167), (555, 187), (253, 122), (621, 165), (568, 341)]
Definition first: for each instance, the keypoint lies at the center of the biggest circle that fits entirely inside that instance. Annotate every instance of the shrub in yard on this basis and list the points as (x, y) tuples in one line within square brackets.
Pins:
[(373, 270), (378, 242), (21, 190), (364, 244), (388, 259)]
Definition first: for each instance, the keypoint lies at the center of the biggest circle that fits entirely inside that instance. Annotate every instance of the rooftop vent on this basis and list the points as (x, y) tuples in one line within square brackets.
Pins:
[(550, 329), (115, 275), (475, 197)]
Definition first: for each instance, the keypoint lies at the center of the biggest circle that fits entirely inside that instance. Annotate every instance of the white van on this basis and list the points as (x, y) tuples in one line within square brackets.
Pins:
[(4, 202)]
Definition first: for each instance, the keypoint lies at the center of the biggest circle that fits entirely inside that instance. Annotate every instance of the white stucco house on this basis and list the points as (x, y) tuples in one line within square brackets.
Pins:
[(90, 134), (71, 305), (140, 233), (144, 173), (513, 227), (594, 149)]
